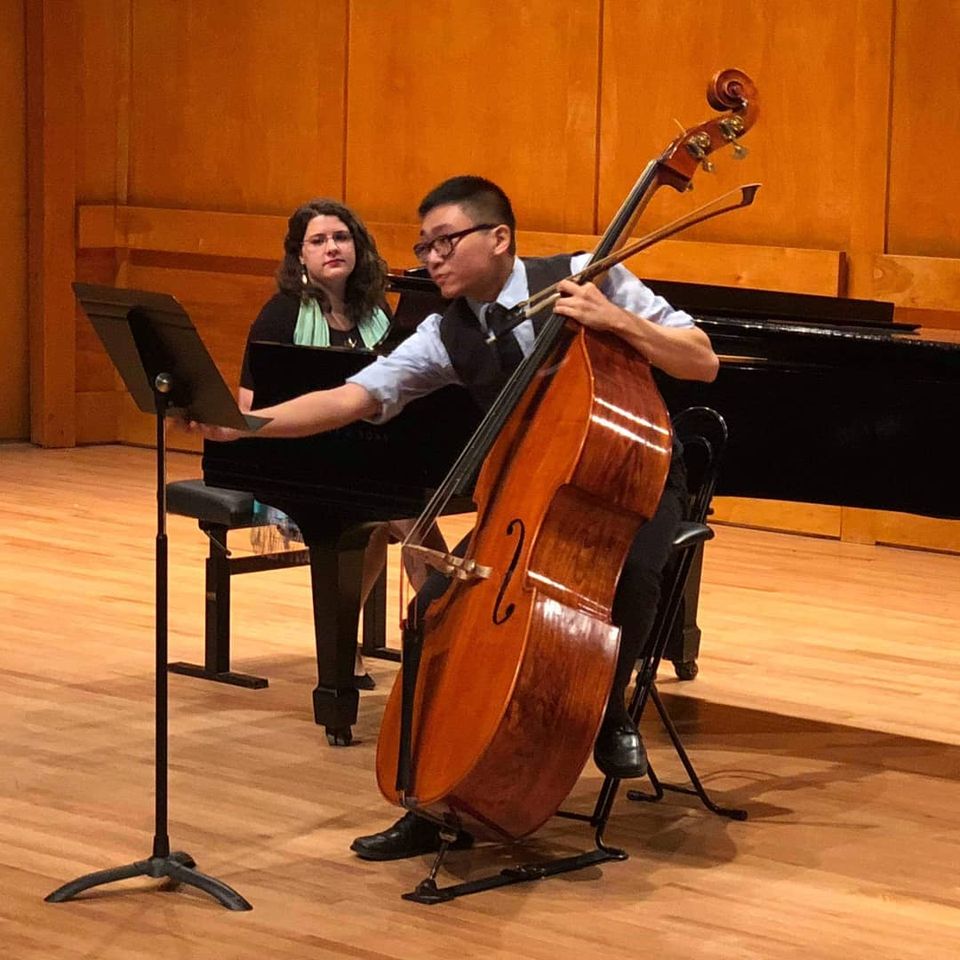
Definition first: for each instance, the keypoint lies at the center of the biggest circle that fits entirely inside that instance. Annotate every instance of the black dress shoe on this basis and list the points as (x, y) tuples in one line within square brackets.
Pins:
[(619, 751), (364, 682), (408, 837)]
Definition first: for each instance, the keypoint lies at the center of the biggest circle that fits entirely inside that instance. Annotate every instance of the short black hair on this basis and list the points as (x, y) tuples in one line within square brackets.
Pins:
[(481, 198)]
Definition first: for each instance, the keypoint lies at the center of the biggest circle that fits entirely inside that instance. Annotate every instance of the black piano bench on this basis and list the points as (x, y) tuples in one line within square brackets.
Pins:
[(219, 511)]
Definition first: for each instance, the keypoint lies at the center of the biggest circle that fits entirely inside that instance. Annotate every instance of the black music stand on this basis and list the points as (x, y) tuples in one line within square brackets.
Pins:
[(166, 367)]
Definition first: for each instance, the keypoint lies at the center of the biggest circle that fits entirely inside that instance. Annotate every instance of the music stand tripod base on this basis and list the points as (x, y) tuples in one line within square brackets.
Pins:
[(177, 867)]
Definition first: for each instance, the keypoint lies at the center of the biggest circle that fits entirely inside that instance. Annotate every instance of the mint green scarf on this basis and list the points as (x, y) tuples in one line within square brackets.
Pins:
[(312, 329)]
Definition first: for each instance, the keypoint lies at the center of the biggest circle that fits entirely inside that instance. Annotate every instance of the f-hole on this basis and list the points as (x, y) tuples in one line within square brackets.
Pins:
[(499, 617)]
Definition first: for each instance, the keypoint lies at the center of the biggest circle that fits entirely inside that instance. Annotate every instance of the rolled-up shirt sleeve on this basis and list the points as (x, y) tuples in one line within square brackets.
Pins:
[(627, 291), (418, 366)]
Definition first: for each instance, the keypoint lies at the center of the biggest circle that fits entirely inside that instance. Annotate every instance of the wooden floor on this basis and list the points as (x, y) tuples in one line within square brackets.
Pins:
[(827, 705)]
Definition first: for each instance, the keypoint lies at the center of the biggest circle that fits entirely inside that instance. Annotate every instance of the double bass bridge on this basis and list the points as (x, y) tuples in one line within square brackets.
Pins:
[(460, 568)]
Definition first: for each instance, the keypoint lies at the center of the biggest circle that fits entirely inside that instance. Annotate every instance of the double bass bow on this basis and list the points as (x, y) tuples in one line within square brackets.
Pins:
[(506, 675)]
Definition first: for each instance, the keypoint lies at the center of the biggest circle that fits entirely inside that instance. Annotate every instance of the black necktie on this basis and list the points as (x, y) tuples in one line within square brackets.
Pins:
[(508, 349)]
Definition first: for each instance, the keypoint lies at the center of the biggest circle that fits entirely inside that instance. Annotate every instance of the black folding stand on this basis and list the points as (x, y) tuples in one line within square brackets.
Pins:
[(428, 891), (165, 366), (689, 535)]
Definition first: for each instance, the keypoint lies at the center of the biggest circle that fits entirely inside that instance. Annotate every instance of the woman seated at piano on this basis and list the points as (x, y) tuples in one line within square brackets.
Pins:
[(331, 284)]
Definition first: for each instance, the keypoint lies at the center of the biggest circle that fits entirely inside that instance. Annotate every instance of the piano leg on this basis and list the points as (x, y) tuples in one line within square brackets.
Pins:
[(336, 568)]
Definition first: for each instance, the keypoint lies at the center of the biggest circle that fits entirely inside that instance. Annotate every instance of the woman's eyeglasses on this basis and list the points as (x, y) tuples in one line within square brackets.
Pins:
[(340, 238)]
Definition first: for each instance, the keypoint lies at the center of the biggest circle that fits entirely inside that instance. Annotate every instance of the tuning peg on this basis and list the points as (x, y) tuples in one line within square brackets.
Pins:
[(739, 151)]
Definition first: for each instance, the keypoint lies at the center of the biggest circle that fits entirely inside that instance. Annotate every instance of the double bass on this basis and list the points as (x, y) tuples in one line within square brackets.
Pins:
[(506, 675)]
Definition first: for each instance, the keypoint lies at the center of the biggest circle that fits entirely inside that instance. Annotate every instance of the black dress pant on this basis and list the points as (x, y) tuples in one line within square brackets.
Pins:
[(638, 590)]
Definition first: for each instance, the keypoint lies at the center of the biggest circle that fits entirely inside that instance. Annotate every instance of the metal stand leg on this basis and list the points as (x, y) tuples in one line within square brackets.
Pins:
[(178, 867), (696, 789), (428, 892)]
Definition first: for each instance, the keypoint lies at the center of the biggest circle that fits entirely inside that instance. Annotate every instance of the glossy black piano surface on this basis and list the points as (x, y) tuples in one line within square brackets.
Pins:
[(363, 471), (827, 400)]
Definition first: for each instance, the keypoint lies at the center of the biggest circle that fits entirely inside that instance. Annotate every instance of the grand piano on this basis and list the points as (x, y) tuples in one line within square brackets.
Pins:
[(340, 485), (827, 400)]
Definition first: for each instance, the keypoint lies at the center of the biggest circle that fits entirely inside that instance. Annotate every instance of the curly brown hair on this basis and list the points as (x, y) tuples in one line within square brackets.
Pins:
[(367, 283)]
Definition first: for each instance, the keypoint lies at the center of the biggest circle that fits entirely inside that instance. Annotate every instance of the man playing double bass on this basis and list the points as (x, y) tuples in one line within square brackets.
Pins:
[(468, 246)]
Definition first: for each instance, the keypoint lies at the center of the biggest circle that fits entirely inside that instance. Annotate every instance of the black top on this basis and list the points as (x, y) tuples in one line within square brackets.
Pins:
[(277, 322)]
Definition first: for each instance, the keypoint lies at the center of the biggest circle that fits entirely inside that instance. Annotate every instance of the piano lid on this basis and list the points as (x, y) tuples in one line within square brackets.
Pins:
[(712, 301)]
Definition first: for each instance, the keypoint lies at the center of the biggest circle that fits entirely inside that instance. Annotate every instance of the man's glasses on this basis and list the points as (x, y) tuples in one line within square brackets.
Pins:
[(340, 238), (446, 243)]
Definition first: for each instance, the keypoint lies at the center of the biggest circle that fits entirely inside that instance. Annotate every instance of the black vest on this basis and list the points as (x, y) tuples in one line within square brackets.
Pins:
[(477, 362)]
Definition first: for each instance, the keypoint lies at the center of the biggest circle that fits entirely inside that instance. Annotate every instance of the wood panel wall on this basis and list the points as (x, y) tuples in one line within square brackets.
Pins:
[(187, 113), (823, 175), (14, 361)]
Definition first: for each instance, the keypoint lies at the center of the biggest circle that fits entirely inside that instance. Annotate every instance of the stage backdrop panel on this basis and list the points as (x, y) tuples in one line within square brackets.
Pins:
[(160, 118), (14, 389), (811, 88), (507, 91), (236, 105), (925, 141)]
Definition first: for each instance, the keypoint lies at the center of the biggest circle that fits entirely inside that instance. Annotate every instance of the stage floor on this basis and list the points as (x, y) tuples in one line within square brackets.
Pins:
[(828, 705)]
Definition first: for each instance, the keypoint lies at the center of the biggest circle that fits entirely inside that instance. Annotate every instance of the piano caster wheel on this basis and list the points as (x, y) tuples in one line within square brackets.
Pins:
[(339, 736), (686, 669)]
